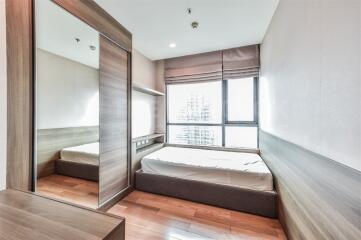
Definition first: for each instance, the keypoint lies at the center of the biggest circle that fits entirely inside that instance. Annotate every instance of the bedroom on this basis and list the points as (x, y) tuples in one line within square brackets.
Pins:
[(219, 120)]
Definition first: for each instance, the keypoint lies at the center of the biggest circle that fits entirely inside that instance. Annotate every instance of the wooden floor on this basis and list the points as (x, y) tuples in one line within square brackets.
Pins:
[(74, 190), (150, 216)]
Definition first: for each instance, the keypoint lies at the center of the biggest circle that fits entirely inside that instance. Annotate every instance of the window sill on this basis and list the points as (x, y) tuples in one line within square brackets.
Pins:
[(226, 149)]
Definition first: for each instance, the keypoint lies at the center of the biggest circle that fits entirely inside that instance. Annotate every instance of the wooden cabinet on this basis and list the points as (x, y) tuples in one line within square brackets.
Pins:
[(27, 216), (114, 120), (114, 93)]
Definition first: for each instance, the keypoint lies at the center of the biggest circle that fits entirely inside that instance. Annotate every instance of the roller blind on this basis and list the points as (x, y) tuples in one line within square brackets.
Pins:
[(241, 62), (199, 67), (227, 64)]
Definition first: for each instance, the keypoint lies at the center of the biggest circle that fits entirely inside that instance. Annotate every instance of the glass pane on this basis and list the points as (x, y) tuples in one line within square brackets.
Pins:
[(67, 95), (241, 99), (195, 103), (245, 137), (196, 135)]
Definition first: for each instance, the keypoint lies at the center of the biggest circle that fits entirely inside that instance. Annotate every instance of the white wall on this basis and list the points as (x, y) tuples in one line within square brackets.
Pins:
[(144, 114), (310, 87), (3, 95), (145, 107), (67, 92)]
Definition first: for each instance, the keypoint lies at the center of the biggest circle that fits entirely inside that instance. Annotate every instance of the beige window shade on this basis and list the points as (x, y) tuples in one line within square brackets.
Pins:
[(241, 62), (227, 64), (199, 67)]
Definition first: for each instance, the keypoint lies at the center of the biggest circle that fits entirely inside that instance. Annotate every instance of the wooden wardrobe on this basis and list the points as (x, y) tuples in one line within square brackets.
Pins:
[(115, 96), (114, 172)]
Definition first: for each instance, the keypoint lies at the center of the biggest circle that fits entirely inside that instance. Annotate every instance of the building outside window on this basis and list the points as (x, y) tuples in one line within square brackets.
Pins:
[(216, 113)]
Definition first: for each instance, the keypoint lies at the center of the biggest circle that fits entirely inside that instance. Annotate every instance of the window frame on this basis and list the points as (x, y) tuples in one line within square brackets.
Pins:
[(225, 122)]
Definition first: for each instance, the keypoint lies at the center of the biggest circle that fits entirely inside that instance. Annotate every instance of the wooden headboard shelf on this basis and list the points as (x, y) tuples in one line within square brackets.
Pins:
[(148, 137), (142, 146)]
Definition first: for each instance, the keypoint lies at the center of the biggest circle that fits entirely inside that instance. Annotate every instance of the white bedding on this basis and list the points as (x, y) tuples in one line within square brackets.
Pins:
[(86, 153), (245, 170)]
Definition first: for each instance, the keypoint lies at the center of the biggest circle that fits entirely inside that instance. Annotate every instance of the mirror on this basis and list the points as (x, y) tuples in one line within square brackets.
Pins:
[(67, 106)]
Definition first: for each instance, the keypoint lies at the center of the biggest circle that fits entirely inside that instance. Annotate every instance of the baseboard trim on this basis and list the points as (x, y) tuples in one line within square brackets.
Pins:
[(111, 202)]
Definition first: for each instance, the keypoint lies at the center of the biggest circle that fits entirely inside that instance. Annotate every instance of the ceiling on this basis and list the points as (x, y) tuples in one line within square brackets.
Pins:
[(222, 24), (56, 30)]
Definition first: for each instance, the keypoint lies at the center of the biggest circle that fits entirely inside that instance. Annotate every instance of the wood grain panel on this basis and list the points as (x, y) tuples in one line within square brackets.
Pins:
[(28, 216), (51, 141), (139, 150), (20, 93), (114, 88), (95, 16), (319, 198)]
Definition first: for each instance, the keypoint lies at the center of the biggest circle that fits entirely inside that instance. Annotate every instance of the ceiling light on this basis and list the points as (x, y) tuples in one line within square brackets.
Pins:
[(194, 25), (172, 45)]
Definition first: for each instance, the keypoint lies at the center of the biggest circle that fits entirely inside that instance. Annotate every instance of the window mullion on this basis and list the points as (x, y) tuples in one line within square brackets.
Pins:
[(224, 110), (255, 99)]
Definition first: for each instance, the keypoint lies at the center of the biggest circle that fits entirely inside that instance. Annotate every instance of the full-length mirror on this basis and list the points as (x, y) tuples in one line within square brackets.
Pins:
[(67, 106)]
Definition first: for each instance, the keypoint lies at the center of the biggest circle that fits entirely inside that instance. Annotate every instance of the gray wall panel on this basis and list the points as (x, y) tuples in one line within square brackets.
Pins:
[(319, 198)]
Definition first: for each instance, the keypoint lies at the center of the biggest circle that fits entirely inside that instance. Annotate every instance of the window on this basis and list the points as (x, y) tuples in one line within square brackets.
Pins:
[(241, 137), (218, 113), (195, 135), (194, 111), (241, 100), (195, 103)]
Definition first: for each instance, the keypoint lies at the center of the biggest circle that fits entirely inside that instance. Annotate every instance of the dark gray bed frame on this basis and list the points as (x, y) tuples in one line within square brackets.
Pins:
[(262, 203), (77, 170)]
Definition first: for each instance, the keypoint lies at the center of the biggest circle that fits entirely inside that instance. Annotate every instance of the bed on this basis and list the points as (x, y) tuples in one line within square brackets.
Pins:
[(234, 180), (80, 161)]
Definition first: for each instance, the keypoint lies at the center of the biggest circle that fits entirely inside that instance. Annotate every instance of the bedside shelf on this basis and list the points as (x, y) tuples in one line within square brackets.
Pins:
[(148, 137), (150, 148)]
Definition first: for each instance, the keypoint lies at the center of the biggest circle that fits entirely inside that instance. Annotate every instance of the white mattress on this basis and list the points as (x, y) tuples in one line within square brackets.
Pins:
[(245, 170), (87, 153)]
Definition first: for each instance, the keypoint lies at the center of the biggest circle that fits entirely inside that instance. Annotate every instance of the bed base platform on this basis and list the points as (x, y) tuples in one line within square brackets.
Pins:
[(261, 203), (77, 170)]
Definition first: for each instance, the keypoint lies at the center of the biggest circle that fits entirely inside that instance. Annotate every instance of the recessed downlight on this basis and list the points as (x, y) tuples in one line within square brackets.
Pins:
[(194, 25), (172, 45)]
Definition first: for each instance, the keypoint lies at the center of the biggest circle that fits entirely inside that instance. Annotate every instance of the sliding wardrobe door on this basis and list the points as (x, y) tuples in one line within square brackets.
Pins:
[(114, 84)]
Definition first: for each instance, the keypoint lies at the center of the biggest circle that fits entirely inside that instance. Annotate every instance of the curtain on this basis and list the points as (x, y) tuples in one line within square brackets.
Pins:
[(227, 64), (241, 62), (199, 67)]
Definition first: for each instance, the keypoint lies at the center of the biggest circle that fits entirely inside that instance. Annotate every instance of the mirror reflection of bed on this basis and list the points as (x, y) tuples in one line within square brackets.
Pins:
[(75, 175), (67, 106)]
